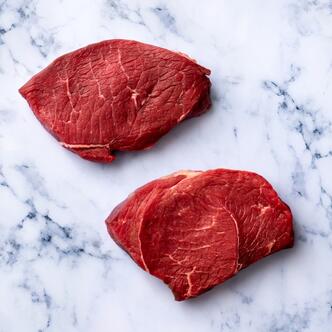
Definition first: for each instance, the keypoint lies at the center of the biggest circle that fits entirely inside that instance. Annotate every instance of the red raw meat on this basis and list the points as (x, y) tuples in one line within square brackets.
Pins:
[(116, 95), (194, 230)]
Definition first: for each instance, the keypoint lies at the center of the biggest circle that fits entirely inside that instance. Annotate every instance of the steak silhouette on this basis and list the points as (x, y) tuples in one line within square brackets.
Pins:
[(194, 229), (116, 95)]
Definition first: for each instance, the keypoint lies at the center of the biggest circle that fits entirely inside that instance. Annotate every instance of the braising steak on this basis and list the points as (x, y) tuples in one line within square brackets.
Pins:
[(194, 229), (116, 95)]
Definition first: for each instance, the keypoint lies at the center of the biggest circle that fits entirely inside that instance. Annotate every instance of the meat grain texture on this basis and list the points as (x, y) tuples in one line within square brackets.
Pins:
[(194, 229), (116, 95)]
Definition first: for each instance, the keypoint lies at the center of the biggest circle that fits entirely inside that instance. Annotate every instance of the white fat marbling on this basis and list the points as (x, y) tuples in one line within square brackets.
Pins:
[(271, 65)]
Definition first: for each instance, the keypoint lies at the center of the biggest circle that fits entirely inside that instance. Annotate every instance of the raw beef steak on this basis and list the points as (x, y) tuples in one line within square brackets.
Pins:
[(194, 230), (116, 95)]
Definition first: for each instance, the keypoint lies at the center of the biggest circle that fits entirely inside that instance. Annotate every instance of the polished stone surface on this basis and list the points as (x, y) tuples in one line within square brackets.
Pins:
[(271, 65)]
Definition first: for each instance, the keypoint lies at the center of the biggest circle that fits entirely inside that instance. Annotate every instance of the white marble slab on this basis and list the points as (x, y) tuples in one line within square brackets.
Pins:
[(271, 65)]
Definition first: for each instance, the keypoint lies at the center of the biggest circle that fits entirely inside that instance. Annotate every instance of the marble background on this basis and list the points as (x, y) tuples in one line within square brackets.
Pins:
[(271, 65)]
